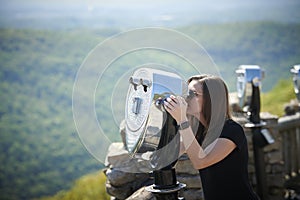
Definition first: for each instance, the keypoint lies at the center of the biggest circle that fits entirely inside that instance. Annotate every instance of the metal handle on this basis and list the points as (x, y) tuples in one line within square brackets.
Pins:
[(139, 81)]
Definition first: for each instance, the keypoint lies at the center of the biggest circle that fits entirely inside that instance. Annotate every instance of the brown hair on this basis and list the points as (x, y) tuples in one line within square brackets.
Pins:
[(206, 106)]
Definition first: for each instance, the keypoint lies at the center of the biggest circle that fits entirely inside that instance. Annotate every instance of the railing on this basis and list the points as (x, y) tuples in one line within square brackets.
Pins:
[(289, 128)]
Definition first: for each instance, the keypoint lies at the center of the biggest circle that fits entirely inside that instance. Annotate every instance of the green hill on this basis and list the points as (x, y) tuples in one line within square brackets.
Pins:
[(267, 44), (91, 186), (275, 100), (41, 152)]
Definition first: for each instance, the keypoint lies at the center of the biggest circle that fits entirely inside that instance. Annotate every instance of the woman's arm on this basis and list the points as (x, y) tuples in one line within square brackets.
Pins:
[(212, 154)]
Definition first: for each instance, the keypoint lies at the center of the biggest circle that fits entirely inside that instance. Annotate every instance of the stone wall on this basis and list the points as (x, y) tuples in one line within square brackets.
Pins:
[(274, 165)]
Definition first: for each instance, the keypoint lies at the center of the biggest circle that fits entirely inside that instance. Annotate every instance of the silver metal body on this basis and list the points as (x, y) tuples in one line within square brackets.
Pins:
[(246, 74), (296, 80), (144, 113)]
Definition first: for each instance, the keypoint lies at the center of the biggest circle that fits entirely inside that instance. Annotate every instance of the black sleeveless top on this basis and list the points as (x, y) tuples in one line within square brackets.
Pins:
[(228, 179)]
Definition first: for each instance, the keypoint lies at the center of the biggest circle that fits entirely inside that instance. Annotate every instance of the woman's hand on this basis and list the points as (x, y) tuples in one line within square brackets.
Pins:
[(176, 106)]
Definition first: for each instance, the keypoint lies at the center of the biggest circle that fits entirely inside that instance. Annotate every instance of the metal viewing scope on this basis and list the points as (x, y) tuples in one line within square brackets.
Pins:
[(296, 79), (246, 75), (249, 79), (149, 128)]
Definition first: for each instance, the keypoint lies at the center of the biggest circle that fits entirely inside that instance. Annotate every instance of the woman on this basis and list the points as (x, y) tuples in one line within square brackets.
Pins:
[(219, 149)]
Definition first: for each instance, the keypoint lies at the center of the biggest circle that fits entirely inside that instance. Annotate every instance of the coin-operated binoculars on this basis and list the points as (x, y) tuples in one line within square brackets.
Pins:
[(149, 128), (296, 80), (249, 79)]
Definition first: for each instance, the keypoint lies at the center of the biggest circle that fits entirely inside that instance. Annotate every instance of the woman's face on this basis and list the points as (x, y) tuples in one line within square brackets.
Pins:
[(196, 99)]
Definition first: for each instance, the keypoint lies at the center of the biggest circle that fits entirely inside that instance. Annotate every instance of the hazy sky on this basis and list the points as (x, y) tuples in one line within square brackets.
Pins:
[(150, 11), (118, 3)]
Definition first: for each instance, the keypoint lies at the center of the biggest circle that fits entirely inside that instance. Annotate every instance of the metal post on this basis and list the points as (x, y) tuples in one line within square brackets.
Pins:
[(258, 143), (165, 185)]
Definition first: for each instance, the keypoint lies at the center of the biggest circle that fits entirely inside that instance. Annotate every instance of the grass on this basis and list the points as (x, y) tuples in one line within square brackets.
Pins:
[(275, 100), (88, 187)]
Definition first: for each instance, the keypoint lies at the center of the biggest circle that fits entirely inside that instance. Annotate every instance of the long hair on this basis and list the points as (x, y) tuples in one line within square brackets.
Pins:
[(215, 107)]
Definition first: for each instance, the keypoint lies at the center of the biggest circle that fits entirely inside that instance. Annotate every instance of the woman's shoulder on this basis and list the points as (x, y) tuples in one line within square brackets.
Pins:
[(233, 125), (234, 132)]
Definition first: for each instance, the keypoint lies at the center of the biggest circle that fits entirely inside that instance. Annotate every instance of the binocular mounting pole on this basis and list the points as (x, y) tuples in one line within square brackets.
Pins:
[(165, 185), (258, 142)]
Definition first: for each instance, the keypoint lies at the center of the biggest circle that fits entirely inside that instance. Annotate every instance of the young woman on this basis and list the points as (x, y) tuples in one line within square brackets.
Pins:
[(219, 147)]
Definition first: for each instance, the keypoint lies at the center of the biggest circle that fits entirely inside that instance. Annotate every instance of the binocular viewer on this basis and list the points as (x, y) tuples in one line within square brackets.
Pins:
[(246, 76), (149, 128), (144, 113), (295, 70)]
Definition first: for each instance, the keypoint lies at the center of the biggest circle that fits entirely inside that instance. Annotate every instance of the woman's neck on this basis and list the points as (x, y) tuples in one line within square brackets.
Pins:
[(202, 120)]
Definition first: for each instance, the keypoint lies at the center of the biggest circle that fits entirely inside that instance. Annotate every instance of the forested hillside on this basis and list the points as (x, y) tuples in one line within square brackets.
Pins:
[(40, 150), (273, 46), (88, 187)]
